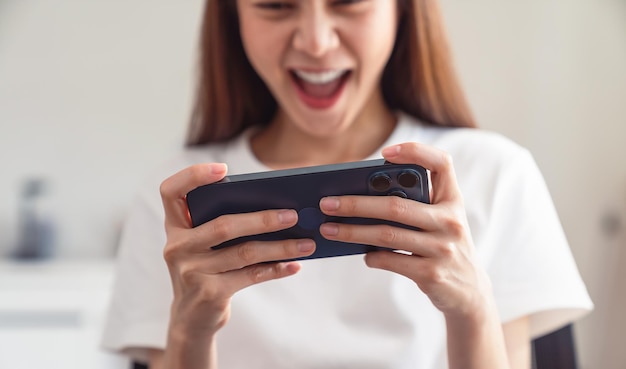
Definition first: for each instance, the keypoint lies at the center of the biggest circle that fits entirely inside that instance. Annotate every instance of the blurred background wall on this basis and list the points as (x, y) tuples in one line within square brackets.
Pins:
[(93, 94), (552, 76)]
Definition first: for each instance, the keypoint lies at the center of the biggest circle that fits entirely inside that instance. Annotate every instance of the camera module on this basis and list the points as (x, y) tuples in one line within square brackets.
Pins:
[(398, 193), (408, 179), (380, 182)]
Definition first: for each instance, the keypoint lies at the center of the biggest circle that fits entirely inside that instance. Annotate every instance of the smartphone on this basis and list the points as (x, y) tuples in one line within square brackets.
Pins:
[(302, 189)]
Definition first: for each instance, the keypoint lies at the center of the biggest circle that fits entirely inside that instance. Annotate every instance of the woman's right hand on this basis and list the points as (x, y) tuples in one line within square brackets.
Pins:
[(204, 279)]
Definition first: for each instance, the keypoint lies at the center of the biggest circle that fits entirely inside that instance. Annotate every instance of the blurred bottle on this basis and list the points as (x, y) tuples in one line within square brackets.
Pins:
[(36, 224)]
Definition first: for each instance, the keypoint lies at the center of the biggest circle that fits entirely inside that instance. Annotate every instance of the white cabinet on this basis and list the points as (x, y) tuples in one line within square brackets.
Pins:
[(51, 315)]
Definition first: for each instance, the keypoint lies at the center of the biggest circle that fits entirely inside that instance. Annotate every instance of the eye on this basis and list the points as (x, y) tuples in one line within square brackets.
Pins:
[(275, 5), (351, 6), (347, 2)]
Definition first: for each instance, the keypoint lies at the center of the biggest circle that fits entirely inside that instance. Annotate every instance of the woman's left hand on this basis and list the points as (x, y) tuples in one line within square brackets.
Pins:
[(440, 257)]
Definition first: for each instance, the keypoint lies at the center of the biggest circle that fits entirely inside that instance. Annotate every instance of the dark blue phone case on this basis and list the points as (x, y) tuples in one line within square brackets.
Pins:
[(301, 189)]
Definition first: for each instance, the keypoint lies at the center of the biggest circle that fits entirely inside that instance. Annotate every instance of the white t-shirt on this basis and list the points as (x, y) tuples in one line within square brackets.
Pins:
[(338, 313)]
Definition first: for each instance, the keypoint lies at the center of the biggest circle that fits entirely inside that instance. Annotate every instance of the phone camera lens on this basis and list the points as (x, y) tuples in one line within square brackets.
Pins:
[(408, 179), (380, 182), (398, 193)]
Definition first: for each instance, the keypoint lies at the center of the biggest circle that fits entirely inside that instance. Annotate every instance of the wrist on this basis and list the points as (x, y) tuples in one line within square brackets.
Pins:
[(189, 320), (477, 310), (479, 303), (184, 335), (475, 338)]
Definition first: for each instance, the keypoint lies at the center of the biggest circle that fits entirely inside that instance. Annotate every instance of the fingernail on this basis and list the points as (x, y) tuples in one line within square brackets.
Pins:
[(329, 203), (286, 216), (329, 229), (305, 246), (391, 151), (218, 168)]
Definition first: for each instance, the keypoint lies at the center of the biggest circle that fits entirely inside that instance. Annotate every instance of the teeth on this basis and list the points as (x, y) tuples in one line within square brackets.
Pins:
[(320, 78)]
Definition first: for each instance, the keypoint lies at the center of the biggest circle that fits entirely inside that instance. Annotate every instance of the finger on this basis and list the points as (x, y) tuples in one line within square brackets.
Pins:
[(237, 280), (428, 275), (255, 252), (395, 238), (406, 211), (410, 266), (438, 162), (175, 188), (231, 226)]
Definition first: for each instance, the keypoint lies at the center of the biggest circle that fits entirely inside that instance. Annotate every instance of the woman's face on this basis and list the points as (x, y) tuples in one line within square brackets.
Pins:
[(321, 59)]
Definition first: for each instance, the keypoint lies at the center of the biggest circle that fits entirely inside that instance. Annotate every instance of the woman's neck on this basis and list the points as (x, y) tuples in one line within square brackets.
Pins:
[(283, 145)]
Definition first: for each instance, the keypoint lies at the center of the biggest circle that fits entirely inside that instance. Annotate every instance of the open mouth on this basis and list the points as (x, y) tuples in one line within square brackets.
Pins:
[(320, 90)]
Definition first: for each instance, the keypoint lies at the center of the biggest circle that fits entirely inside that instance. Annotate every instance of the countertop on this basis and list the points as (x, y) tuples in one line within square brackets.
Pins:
[(52, 312)]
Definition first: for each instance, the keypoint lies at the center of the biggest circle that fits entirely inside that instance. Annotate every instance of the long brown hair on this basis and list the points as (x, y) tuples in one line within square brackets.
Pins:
[(419, 78)]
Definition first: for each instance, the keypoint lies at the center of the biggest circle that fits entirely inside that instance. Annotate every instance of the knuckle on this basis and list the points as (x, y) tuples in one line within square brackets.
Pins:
[(348, 205), (435, 276), (431, 216), (413, 145), (247, 252), (290, 249), (169, 255), (259, 273), (165, 188), (172, 251), (447, 249), (446, 160), (268, 219), (187, 275), (346, 232), (397, 207), (209, 292), (453, 226), (221, 229), (387, 235), (379, 259)]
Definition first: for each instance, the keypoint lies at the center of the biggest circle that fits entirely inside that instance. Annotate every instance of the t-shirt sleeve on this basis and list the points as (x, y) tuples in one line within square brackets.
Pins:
[(530, 263), (138, 314)]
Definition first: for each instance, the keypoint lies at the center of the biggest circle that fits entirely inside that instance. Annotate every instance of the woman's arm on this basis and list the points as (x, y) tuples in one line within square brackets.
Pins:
[(518, 342), (155, 359), (440, 258), (184, 355), (516, 338), (204, 279), (472, 343)]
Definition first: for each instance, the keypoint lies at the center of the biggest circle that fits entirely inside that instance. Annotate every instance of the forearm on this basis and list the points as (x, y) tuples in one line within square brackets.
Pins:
[(190, 353), (476, 342)]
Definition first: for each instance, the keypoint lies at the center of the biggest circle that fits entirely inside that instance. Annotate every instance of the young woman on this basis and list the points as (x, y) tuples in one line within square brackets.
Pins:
[(290, 83)]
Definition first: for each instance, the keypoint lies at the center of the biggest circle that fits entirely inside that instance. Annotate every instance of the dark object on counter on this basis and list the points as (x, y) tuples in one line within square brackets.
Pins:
[(36, 226)]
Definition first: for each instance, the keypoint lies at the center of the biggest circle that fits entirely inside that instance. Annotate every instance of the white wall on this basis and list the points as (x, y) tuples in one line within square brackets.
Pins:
[(552, 76), (92, 95), (95, 93)]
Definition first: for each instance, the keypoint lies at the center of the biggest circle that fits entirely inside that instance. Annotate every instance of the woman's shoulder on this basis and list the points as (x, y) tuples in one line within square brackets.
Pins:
[(233, 151), (467, 144), (187, 156)]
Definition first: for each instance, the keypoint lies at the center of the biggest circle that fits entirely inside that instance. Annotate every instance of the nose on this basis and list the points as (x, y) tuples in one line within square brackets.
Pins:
[(316, 33)]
